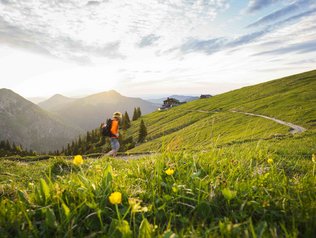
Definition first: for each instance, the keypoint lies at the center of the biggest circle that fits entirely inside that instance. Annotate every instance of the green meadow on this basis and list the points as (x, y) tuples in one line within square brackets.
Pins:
[(205, 122), (212, 173)]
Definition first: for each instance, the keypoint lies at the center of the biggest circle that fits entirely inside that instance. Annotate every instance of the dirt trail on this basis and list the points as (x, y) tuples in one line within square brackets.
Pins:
[(294, 128)]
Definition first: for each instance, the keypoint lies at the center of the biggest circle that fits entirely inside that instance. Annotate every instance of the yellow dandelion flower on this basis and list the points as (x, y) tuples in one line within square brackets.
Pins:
[(270, 161), (115, 198), (78, 160), (169, 171), (314, 158)]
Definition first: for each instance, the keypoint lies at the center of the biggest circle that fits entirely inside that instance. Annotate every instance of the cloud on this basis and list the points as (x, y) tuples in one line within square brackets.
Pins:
[(305, 47), (206, 46), (302, 62), (210, 46), (276, 15), (248, 38), (148, 40), (28, 28), (4, 1), (14, 36), (83, 29), (255, 5), (94, 3), (296, 17)]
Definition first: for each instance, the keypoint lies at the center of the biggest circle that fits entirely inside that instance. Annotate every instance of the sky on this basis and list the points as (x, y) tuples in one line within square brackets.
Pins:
[(152, 48)]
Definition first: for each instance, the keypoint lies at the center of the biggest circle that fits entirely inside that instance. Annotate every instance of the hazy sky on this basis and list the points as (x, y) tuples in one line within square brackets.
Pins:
[(152, 47)]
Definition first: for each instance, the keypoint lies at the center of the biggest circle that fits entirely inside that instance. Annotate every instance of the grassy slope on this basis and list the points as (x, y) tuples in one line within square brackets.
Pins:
[(229, 191), (291, 99), (274, 199)]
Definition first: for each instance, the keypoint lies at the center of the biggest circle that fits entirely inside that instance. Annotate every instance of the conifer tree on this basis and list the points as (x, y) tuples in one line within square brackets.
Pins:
[(126, 123), (88, 137), (139, 113), (123, 123), (135, 114), (8, 145), (142, 133), (127, 120), (2, 144), (68, 151)]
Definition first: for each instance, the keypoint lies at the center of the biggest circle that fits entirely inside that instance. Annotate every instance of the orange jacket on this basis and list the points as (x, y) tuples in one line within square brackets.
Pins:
[(115, 128)]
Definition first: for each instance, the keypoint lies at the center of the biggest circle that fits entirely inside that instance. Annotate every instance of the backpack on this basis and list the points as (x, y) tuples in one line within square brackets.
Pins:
[(106, 130)]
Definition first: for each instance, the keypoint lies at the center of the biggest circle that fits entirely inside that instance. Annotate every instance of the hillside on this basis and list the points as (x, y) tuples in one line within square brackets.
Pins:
[(23, 122), (205, 123), (87, 113), (217, 173)]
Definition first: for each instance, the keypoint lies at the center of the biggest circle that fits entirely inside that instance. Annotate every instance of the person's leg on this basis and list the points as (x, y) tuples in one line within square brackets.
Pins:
[(115, 145), (110, 153)]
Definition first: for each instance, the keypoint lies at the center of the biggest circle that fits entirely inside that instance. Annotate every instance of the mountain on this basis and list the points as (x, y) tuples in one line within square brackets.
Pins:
[(56, 102), (205, 123), (25, 123), (181, 98), (87, 113), (36, 100)]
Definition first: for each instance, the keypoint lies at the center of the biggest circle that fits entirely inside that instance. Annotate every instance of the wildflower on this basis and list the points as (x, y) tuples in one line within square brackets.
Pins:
[(314, 158), (270, 161), (135, 204), (115, 198), (169, 171), (144, 209), (78, 160)]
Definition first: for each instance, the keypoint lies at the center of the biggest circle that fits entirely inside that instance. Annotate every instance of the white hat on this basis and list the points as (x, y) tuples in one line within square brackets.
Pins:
[(117, 115)]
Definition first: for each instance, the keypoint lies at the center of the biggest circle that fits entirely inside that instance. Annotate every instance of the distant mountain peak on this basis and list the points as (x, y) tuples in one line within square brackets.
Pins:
[(55, 102), (8, 94), (106, 94), (58, 96), (112, 93), (6, 90)]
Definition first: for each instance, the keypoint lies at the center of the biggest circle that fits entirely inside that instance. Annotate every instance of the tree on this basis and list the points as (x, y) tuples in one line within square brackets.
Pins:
[(127, 120), (142, 133), (88, 137), (8, 145), (2, 144), (126, 123), (139, 113), (135, 114)]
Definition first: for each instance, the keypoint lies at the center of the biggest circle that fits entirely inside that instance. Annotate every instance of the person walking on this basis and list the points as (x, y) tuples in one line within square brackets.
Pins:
[(115, 145)]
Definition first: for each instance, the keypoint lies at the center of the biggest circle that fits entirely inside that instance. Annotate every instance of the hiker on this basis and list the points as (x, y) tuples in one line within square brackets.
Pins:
[(115, 145)]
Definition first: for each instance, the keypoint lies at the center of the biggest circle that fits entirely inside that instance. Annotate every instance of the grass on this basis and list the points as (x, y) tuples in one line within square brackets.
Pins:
[(291, 99), (215, 174), (234, 191)]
